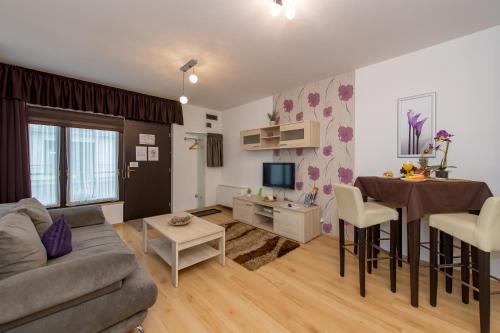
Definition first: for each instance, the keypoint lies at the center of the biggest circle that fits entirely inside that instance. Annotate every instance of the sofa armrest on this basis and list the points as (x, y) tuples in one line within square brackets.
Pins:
[(39, 289), (80, 216)]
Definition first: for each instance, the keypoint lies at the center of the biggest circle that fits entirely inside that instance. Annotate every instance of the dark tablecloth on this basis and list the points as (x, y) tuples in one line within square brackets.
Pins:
[(429, 197)]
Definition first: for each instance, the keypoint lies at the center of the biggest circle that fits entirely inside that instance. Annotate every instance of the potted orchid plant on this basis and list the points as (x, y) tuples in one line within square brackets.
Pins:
[(442, 143)]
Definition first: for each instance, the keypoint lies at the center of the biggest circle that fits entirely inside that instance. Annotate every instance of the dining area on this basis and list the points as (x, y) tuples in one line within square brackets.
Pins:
[(464, 230)]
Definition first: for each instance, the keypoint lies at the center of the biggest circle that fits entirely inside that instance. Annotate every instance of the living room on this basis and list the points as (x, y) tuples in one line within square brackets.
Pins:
[(263, 166)]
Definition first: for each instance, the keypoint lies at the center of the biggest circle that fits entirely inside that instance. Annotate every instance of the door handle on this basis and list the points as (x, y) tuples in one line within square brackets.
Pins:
[(129, 171)]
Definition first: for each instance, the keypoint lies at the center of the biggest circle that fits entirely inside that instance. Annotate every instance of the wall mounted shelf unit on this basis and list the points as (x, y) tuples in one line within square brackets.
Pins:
[(293, 135)]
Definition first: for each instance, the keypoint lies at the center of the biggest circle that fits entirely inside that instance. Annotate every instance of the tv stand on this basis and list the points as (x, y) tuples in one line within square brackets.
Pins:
[(298, 222)]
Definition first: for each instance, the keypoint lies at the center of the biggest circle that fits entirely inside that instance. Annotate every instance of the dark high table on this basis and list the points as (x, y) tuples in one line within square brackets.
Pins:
[(420, 199)]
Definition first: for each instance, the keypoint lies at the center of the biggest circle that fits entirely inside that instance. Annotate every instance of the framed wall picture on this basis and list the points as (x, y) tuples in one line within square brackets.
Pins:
[(416, 124), (153, 153)]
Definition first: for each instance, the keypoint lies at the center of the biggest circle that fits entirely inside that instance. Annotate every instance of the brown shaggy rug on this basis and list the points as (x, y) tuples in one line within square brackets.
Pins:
[(252, 247)]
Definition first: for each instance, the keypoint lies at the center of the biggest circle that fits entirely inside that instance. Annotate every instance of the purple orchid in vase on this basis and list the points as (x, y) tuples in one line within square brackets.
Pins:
[(442, 138)]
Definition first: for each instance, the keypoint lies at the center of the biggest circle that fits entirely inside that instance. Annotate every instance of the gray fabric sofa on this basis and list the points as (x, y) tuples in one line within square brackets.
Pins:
[(98, 287)]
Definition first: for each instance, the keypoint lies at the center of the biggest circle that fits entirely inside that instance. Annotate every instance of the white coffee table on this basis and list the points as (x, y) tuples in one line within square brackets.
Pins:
[(183, 246)]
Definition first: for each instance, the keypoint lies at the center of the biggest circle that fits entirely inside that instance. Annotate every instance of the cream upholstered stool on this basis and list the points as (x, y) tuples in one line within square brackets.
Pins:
[(363, 215), (481, 232)]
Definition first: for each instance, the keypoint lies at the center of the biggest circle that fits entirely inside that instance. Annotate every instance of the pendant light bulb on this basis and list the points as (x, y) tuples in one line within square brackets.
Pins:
[(193, 78), (275, 9), (183, 99)]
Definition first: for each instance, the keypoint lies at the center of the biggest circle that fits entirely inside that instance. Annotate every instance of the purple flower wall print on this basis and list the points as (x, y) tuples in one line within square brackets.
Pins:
[(325, 101), (327, 189), (288, 105), (345, 92), (313, 100), (276, 152), (327, 112), (346, 134), (345, 175), (313, 173), (327, 228), (299, 116), (327, 150)]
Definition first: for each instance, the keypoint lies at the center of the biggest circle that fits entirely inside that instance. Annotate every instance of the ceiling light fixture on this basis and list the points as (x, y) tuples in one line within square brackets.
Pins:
[(193, 78), (183, 99), (288, 5)]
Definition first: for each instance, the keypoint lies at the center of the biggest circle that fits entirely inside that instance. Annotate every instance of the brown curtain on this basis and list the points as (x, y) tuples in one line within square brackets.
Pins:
[(14, 155), (214, 150), (47, 89)]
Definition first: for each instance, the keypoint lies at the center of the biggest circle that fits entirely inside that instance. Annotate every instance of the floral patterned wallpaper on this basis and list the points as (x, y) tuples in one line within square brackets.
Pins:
[(331, 103)]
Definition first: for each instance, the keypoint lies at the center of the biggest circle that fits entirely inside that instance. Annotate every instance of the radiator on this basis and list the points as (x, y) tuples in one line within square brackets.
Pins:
[(226, 193)]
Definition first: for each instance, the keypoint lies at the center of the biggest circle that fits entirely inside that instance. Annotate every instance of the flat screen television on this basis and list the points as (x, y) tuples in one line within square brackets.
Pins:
[(279, 175)]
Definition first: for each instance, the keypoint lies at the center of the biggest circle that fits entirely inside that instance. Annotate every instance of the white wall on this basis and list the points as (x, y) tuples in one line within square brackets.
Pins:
[(465, 74), (184, 161), (244, 168)]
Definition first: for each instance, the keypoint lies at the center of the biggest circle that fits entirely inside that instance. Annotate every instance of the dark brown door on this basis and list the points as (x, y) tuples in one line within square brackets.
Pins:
[(148, 186)]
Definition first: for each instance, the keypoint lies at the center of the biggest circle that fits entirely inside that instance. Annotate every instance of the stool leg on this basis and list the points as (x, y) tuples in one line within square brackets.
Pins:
[(441, 258), (394, 253), (475, 274), (484, 290), (369, 249), (448, 252), (376, 240), (356, 236), (465, 273), (341, 246), (433, 274), (362, 258), (400, 237)]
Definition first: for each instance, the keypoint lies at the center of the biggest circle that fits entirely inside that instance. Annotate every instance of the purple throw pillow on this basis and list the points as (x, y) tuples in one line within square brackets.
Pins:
[(57, 239)]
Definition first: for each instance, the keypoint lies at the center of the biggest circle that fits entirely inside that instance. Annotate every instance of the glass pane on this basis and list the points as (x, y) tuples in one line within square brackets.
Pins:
[(251, 139), (297, 134), (92, 165), (44, 163)]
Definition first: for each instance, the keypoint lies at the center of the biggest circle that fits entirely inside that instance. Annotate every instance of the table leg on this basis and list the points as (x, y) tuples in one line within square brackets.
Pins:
[(414, 258), (175, 265), (222, 249), (145, 236), (400, 237)]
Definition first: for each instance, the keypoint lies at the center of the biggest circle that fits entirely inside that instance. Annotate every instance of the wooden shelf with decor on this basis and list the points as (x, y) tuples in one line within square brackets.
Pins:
[(304, 134)]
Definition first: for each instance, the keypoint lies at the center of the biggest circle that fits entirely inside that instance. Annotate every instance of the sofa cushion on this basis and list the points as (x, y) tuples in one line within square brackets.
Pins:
[(87, 241), (80, 216), (6, 208), (57, 239), (20, 246), (37, 212)]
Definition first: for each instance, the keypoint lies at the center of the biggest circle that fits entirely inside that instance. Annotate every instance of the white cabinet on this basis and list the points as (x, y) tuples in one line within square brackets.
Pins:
[(243, 211), (299, 223)]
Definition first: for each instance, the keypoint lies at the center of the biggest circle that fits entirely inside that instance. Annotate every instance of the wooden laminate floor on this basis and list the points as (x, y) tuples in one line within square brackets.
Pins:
[(300, 292)]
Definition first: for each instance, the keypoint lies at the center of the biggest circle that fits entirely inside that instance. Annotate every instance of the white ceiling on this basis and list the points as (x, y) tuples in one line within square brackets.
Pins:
[(243, 53)]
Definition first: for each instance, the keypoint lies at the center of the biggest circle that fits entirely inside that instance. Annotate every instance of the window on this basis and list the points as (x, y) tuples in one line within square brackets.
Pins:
[(44, 163), (87, 158), (92, 165)]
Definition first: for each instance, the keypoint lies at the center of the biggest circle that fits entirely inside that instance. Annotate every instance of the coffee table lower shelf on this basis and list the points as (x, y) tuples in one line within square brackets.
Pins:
[(187, 257)]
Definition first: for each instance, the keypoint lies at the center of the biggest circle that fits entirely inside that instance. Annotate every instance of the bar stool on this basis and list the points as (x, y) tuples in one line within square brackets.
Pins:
[(363, 215), (482, 233)]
